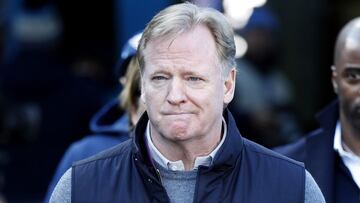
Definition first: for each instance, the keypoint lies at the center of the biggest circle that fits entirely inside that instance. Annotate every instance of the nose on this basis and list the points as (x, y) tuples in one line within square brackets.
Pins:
[(176, 93)]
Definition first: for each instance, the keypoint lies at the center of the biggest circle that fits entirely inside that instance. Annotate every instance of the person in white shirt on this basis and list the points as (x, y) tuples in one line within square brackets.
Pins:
[(332, 153)]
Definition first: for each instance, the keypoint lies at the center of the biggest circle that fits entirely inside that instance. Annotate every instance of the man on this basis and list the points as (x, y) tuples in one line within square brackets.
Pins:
[(332, 152), (186, 147)]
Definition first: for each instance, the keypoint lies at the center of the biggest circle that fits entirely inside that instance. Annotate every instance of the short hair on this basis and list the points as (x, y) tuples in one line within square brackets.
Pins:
[(181, 18)]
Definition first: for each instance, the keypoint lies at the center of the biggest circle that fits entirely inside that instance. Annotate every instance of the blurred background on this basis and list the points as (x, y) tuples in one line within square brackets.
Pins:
[(58, 59)]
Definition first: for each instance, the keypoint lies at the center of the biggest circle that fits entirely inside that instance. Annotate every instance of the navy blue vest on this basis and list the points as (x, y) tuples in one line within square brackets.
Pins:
[(242, 172)]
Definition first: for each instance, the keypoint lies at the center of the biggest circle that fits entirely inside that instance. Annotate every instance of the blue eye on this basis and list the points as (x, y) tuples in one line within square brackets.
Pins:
[(194, 79), (158, 77)]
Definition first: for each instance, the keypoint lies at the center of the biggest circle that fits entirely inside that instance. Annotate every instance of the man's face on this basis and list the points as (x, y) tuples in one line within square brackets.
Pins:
[(346, 82), (182, 86)]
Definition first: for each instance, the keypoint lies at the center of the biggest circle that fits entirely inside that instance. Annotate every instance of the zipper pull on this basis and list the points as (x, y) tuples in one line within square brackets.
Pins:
[(159, 176)]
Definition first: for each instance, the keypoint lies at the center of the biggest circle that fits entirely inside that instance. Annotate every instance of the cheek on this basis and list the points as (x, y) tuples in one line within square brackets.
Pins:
[(150, 100), (348, 93), (349, 98), (153, 100), (345, 100), (209, 97), (212, 105)]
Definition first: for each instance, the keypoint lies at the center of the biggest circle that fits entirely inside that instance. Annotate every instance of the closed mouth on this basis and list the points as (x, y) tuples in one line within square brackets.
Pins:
[(176, 113)]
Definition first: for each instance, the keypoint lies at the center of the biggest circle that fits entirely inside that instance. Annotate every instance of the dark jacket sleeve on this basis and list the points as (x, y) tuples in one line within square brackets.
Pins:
[(294, 150)]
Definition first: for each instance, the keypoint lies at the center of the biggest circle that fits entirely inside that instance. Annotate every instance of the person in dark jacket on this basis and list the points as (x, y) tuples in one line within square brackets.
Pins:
[(186, 146), (112, 124), (332, 152)]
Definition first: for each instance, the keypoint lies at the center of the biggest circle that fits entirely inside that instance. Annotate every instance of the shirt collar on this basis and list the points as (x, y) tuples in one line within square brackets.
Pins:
[(157, 156), (340, 146)]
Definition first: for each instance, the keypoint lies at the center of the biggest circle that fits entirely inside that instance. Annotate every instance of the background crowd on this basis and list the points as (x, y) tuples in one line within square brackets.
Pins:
[(60, 64)]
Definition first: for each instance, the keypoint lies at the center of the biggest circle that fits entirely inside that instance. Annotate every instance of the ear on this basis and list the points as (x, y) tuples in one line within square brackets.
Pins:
[(229, 86), (122, 80), (334, 78)]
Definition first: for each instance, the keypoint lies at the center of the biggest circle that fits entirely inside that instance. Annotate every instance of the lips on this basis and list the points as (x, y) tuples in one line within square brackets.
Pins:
[(176, 113)]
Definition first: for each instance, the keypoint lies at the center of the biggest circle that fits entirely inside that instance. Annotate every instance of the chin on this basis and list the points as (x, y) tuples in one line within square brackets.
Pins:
[(178, 135)]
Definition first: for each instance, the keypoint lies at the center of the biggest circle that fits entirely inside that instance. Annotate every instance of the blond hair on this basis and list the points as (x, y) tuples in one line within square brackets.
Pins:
[(130, 94)]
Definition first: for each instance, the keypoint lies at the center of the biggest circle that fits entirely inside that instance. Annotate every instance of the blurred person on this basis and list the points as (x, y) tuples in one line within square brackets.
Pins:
[(332, 152), (113, 123), (215, 4), (47, 106), (186, 147), (263, 96)]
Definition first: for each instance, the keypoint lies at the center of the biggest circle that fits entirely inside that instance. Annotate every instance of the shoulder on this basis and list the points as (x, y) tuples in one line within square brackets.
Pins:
[(102, 168), (91, 145), (294, 150), (297, 149), (98, 141), (274, 169), (267, 154), (119, 150)]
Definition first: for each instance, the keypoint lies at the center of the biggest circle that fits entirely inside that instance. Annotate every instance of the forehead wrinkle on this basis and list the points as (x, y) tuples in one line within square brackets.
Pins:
[(175, 59), (179, 58)]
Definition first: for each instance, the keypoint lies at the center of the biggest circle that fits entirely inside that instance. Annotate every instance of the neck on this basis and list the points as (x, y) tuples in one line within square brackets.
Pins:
[(350, 136), (186, 150)]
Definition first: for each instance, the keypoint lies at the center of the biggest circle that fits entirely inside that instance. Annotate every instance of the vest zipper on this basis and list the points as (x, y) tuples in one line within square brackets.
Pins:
[(159, 176)]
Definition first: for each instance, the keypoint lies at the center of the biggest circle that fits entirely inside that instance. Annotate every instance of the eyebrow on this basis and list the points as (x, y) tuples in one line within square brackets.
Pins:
[(188, 72), (192, 73), (161, 72)]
